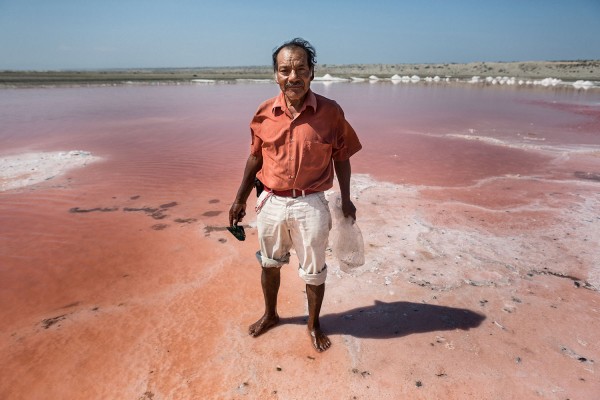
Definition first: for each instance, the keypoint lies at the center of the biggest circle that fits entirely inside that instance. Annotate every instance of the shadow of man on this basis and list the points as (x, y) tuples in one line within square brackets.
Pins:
[(396, 319)]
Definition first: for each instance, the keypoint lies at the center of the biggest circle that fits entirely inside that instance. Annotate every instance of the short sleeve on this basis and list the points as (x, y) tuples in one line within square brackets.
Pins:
[(256, 141), (346, 142)]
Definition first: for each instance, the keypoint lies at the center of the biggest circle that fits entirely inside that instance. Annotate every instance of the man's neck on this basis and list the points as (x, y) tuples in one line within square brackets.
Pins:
[(296, 104)]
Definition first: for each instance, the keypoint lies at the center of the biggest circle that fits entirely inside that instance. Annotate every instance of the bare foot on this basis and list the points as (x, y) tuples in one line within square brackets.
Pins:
[(319, 340), (263, 325)]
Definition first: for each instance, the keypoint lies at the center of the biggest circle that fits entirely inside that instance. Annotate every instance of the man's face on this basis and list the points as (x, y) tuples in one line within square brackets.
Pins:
[(293, 74)]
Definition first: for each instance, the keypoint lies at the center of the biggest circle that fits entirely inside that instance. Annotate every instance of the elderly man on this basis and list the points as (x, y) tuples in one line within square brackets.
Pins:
[(298, 139)]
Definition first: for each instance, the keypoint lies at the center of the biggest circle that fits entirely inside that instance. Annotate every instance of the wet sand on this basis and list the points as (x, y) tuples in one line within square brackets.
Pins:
[(480, 282)]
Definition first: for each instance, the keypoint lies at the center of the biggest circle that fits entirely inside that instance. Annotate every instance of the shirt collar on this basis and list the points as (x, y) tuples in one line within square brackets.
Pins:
[(309, 101)]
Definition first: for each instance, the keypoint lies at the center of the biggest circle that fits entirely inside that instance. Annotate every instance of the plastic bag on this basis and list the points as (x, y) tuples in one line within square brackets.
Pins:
[(346, 239)]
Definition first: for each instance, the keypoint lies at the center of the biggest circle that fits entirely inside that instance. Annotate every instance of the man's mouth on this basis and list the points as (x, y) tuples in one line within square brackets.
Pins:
[(293, 85)]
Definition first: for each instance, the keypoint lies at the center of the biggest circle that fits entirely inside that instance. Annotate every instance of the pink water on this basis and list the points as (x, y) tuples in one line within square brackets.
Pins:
[(187, 145), (174, 137)]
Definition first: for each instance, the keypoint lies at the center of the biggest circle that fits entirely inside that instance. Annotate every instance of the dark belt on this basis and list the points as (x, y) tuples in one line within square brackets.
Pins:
[(291, 192)]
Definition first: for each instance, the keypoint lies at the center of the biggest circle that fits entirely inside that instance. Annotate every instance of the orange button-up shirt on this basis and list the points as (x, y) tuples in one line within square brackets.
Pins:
[(298, 153)]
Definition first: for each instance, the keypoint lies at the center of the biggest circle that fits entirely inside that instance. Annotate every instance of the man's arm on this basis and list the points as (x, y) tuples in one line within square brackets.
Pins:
[(343, 172), (238, 208)]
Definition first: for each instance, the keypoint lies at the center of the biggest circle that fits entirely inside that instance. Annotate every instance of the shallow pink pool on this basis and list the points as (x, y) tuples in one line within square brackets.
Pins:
[(111, 240)]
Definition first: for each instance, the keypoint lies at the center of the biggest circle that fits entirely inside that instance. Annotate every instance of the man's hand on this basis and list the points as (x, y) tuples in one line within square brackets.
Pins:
[(348, 209), (238, 209), (343, 170), (236, 213)]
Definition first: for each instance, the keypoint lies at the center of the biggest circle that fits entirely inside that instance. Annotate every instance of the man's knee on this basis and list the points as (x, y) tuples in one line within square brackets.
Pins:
[(271, 271)]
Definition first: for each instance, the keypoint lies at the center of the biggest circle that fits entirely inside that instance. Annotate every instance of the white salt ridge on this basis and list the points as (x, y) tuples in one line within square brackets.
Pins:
[(328, 79), (21, 170), (481, 257), (546, 82)]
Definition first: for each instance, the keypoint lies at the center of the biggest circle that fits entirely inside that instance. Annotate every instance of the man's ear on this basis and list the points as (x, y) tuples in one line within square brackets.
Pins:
[(312, 73), (275, 75)]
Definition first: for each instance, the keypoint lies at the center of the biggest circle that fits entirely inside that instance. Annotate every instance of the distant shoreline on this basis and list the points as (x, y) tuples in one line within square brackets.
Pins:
[(564, 70)]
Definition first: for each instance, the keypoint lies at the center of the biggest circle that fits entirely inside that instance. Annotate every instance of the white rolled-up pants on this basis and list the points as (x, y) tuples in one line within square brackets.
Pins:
[(301, 223)]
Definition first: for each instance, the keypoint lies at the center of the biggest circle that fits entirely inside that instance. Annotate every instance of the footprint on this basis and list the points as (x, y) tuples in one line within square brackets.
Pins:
[(185, 220), (209, 228), (87, 210), (48, 322), (212, 213)]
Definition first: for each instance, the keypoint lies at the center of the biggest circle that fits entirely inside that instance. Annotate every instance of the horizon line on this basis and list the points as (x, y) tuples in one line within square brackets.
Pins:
[(265, 66)]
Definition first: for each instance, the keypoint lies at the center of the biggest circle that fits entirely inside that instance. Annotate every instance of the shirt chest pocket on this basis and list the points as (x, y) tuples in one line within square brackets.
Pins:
[(315, 156)]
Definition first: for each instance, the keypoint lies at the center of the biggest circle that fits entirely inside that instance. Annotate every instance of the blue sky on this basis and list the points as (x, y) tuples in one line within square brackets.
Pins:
[(73, 34)]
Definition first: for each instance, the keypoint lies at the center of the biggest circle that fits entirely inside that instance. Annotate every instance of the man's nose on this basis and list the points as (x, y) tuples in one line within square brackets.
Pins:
[(293, 75)]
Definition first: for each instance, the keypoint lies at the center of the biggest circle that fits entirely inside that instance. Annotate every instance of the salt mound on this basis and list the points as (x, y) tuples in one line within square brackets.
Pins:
[(329, 78), (582, 84)]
